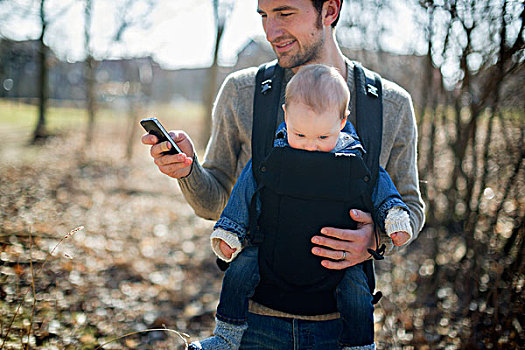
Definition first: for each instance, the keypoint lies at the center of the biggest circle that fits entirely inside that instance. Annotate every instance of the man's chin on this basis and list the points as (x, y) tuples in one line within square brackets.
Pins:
[(293, 61), (287, 62)]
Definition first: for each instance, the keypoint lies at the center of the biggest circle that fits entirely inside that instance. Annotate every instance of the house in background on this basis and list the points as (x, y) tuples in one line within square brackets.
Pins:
[(121, 78), (19, 68)]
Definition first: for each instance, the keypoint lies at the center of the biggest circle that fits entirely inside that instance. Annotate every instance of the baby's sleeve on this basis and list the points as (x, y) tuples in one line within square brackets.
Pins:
[(229, 238), (385, 197), (397, 220)]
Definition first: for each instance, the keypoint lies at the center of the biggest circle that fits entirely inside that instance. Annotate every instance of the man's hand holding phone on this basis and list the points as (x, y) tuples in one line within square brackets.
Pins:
[(173, 157)]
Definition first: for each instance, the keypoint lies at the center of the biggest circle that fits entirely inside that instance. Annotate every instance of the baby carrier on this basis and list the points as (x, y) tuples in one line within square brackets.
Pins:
[(297, 199)]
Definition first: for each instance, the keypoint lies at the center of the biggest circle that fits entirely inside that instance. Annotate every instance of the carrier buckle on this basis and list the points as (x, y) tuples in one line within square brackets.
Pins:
[(266, 86), (379, 253), (372, 90)]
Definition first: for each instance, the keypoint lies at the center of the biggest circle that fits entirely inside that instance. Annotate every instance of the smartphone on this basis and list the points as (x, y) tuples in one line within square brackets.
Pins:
[(154, 127)]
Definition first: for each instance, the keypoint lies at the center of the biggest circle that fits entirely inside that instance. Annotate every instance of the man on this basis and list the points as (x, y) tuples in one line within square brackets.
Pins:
[(301, 32)]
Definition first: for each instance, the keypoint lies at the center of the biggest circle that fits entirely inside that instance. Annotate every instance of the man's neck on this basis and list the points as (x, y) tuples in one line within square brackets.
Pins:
[(335, 58)]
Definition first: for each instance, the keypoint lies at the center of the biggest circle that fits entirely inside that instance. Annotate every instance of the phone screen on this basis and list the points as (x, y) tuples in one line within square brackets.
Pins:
[(154, 127)]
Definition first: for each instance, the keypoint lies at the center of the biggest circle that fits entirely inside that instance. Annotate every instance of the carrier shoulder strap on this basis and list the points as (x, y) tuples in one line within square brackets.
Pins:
[(369, 126), (369, 116), (266, 106)]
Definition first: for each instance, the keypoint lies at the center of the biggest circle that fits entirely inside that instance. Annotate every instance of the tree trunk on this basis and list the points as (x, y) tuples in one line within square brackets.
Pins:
[(134, 112), (210, 89), (40, 132), (89, 74), (90, 98)]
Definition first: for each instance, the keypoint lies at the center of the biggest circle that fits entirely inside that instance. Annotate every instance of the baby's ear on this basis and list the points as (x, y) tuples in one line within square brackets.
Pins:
[(343, 121), (284, 109)]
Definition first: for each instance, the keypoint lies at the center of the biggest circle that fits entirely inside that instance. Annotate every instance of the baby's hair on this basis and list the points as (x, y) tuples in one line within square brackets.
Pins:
[(320, 87)]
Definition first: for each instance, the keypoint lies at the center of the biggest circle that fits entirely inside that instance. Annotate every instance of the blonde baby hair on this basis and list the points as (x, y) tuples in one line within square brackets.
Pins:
[(320, 87)]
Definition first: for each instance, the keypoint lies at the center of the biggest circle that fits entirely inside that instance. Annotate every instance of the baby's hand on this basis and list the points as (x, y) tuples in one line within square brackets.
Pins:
[(226, 249), (399, 238)]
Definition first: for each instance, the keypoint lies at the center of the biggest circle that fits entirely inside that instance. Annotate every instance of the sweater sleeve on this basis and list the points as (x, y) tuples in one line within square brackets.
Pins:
[(402, 163), (208, 186)]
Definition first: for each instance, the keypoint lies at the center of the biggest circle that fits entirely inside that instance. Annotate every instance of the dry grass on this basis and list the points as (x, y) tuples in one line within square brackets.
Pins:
[(143, 263), (137, 265)]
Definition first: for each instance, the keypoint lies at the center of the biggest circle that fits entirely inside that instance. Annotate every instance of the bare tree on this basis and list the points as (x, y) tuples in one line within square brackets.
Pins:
[(46, 16), (477, 51), (221, 12), (364, 24), (40, 131), (128, 14), (471, 156), (139, 77), (90, 68)]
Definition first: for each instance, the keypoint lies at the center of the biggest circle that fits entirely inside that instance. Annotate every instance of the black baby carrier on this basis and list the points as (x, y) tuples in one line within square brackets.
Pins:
[(301, 192)]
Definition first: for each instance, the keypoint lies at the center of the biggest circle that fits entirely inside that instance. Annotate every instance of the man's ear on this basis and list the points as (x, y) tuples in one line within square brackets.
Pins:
[(330, 11)]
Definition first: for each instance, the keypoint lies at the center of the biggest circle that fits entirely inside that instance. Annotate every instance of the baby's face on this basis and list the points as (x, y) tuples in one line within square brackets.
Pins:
[(310, 130)]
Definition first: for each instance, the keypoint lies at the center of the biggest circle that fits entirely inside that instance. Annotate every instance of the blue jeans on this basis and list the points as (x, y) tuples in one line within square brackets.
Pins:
[(274, 333), (354, 302), (238, 286)]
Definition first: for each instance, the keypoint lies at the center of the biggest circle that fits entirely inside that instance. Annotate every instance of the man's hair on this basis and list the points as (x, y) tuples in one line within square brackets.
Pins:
[(318, 5), (320, 87)]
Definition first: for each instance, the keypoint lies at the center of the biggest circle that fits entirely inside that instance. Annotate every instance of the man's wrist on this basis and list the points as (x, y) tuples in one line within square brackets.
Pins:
[(194, 159)]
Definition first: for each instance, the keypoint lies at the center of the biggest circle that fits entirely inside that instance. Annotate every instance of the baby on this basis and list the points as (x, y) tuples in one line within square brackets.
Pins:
[(316, 111)]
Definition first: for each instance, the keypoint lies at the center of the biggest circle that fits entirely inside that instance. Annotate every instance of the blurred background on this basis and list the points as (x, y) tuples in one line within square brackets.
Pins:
[(76, 76)]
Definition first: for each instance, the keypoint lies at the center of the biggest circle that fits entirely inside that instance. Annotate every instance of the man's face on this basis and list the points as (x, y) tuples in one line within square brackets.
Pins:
[(294, 29)]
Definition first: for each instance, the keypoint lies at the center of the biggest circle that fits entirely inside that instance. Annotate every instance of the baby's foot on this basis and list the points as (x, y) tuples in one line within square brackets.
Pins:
[(226, 337), (194, 346)]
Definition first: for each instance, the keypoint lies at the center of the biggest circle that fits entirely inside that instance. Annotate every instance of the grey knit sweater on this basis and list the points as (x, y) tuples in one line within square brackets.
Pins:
[(209, 184)]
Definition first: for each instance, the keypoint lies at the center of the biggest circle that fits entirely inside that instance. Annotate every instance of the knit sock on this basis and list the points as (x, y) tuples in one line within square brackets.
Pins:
[(225, 336)]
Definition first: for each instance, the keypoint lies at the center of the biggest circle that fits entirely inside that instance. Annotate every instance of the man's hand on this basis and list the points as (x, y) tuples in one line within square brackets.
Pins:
[(173, 165), (350, 245)]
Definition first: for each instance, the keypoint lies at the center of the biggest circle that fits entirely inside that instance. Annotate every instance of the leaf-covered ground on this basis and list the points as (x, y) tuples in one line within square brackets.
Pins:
[(143, 258)]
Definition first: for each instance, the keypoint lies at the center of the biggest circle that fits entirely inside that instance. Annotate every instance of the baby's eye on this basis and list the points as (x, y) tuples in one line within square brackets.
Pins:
[(323, 137), (299, 135)]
